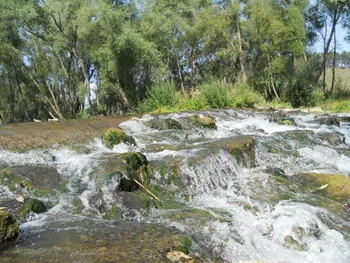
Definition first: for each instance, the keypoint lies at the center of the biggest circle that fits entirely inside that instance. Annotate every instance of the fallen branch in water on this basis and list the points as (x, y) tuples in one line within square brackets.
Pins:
[(148, 191)]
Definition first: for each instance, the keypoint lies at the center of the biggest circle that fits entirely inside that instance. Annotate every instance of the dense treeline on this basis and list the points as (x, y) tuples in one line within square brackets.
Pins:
[(70, 58)]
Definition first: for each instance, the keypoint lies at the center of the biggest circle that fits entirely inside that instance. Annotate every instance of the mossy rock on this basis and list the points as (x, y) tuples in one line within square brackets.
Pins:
[(240, 147), (9, 230), (32, 205), (285, 121), (13, 181), (195, 218), (332, 186), (129, 166), (291, 243), (203, 122), (114, 136), (165, 124)]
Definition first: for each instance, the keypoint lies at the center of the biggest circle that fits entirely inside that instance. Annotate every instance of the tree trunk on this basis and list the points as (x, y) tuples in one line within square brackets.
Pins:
[(271, 78), (2, 120), (240, 49), (334, 61), (180, 77)]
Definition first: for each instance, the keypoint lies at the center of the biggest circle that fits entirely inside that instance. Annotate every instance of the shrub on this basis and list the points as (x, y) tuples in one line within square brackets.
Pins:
[(161, 95), (196, 102), (216, 93), (84, 114), (245, 96)]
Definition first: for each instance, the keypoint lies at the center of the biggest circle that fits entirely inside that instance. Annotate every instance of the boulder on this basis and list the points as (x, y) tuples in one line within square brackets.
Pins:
[(114, 136), (9, 230), (165, 124), (332, 186), (203, 121), (330, 121)]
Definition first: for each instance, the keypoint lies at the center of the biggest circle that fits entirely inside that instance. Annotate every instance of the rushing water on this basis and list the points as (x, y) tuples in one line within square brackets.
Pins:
[(234, 212)]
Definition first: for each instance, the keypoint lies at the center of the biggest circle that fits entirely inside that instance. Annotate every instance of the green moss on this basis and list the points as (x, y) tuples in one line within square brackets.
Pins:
[(165, 124), (9, 230), (133, 166), (186, 244), (13, 181), (204, 122), (194, 217), (290, 122), (242, 148), (114, 136), (291, 243), (81, 149), (335, 187), (44, 192), (113, 213), (78, 206), (32, 205)]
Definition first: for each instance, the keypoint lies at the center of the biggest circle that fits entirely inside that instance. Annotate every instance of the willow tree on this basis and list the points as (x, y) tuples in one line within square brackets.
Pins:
[(276, 37)]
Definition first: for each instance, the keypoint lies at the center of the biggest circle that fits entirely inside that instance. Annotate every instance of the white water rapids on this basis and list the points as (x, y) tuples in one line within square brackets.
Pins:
[(245, 223)]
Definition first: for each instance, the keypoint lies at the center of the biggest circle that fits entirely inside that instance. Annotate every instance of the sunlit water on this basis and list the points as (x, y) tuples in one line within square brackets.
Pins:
[(219, 185)]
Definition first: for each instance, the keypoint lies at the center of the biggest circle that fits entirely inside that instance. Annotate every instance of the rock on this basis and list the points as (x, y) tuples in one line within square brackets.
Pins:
[(32, 205), (283, 121), (9, 230), (240, 147), (330, 121), (127, 166), (136, 170), (165, 124), (91, 240), (291, 243), (177, 256), (338, 188), (114, 136), (203, 122)]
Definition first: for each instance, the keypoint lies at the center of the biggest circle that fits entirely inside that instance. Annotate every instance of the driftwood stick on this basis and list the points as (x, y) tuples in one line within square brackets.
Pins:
[(148, 191)]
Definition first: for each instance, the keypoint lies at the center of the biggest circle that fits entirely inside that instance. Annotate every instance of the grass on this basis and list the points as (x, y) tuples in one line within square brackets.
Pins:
[(342, 79)]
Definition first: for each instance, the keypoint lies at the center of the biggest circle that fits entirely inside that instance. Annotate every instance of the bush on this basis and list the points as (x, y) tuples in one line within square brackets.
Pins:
[(245, 97), (196, 102), (304, 90), (161, 95), (84, 114), (216, 94)]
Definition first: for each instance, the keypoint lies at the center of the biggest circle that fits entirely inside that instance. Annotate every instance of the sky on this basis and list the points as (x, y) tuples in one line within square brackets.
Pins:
[(342, 44)]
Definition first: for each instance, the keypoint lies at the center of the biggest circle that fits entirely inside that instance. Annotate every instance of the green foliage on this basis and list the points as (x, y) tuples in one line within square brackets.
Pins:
[(84, 114), (159, 96), (216, 94), (193, 103), (245, 97), (303, 91)]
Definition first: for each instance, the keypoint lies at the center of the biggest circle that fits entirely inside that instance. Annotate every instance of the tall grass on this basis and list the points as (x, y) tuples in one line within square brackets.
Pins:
[(160, 97), (210, 95)]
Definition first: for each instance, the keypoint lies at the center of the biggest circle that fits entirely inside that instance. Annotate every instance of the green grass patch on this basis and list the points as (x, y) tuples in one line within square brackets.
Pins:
[(339, 106)]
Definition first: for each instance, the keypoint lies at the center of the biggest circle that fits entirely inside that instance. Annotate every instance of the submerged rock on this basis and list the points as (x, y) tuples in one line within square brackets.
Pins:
[(9, 230), (87, 240), (242, 148), (330, 121), (114, 136), (332, 186), (165, 124)]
